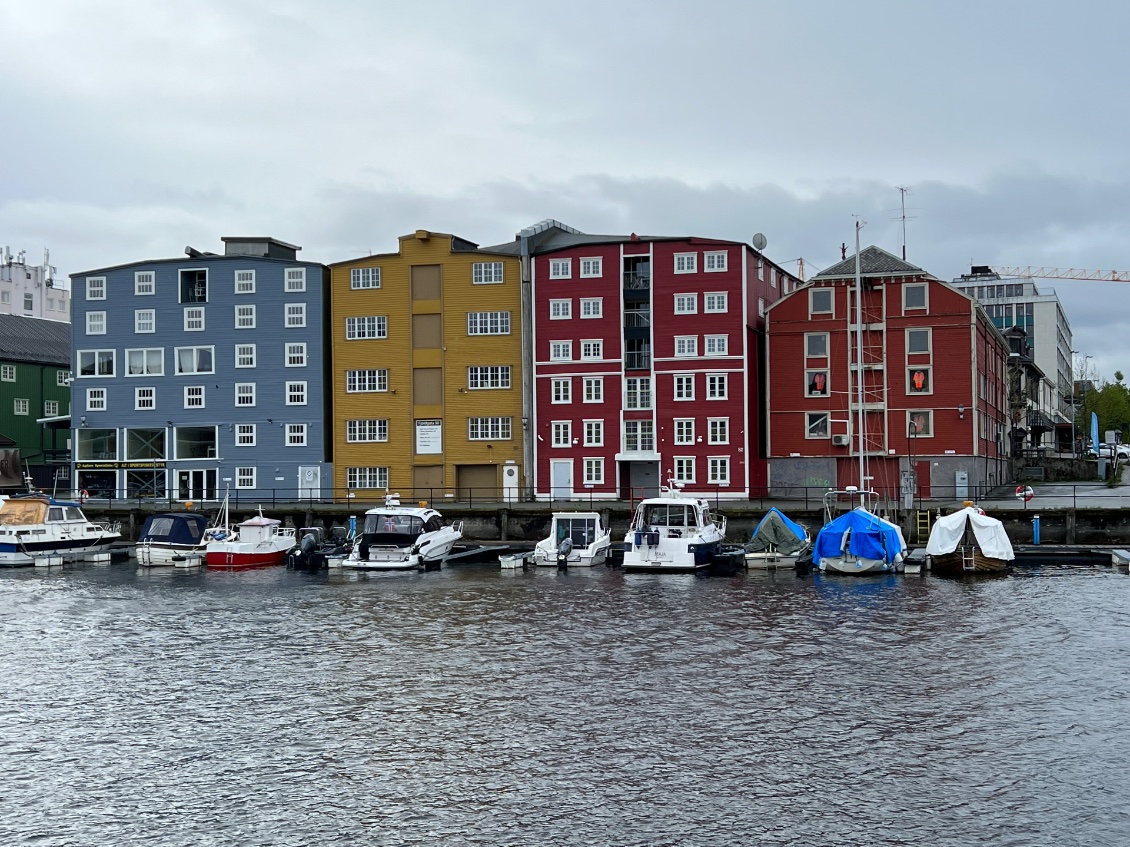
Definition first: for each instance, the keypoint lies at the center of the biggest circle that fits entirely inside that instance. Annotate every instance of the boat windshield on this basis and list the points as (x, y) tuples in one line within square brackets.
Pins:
[(393, 525), (669, 514), (581, 531)]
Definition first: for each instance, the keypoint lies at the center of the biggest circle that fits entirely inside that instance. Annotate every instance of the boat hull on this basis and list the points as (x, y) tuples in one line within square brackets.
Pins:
[(25, 555), (955, 563), (235, 560), (856, 566), (168, 555)]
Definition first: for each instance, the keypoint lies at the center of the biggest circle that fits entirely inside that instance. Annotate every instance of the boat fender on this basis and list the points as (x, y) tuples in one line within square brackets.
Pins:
[(1025, 493)]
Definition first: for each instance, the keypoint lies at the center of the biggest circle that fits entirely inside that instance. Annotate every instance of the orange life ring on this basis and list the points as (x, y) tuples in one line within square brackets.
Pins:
[(1025, 493), (83, 496)]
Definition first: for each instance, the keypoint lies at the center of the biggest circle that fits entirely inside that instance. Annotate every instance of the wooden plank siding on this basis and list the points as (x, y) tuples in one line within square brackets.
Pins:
[(426, 292)]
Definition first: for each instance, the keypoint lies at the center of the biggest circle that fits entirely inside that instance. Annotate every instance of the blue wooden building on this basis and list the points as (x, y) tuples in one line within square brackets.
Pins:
[(204, 373)]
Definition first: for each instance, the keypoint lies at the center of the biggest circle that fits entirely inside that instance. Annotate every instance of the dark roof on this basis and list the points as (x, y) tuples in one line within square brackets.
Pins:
[(458, 245), (549, 236), (35, 340), (873, 261)]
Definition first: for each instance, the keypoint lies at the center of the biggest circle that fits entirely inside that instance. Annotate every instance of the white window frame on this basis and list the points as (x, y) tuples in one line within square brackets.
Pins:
[(144, 398), (819, 293), (294, 280), (929, 351), (366, 328), (50, 408), (917, 286), (244, 281), (296, 435), (245, 352), (245, 316), (560, 310), (497, 428), (191, 393), (144, 283), (684, 431), (683, 387), (22, 406), (366, 430), (487, 273), (245, 435), (594, 432), (294, 354), (245, 477), (8, 373), (96, 288), (244, 391), (377, 377), (592, 349), (295, 315), (561, 351), (96, 399), (561, 390), (562, 434), (594, 470), (146, 357), (812, 419), (488, 377), (488, 323), (638, 394), (686, 263), (367, 478), (363, 278), (143, 318), (809, 338), (718, 470), (61, 377), (929, 413), (95, 323), (718, 430), (192, 315), (761, 307), (591, 307), (176, 354), (715, 261), (714, 302), (560, 268), (716, 345), (683, 469), (686, 304), (686, 346), (592, 267), (712, 383), (593, 389), (297, 393), (97, 359)]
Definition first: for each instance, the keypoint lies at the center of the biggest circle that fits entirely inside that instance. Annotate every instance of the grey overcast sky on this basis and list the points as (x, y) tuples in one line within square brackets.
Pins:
[(133, 129)]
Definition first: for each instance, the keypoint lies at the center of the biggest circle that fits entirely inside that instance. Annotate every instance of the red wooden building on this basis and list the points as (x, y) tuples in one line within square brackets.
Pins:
[(926, 406), (646, 363)]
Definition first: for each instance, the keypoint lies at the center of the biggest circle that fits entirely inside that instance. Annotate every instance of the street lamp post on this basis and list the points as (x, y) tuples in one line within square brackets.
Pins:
[(911, 437)]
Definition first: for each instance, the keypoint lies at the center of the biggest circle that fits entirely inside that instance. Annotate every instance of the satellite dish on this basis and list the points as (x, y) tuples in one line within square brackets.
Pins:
[(759, 242)]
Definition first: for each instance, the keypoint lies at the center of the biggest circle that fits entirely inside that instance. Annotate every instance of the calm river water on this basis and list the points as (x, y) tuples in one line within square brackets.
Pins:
[(472, 706)]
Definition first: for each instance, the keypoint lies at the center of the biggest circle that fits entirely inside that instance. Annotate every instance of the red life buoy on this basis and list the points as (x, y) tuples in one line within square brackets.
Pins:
[(1025, 493), (83, 495)]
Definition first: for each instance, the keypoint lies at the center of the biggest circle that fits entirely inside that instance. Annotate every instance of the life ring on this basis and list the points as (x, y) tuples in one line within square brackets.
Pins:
[(1025, 493), (83, 496)]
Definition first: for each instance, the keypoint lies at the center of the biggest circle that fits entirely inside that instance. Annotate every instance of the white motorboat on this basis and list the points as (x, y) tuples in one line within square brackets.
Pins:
[(396, 537), (36, 529), (174, 538), (576, 540), (258, 542), (673, 533)]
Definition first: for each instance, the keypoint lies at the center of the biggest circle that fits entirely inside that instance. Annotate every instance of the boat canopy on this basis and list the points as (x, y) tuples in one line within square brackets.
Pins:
[(949, 531), (861, 533), (778, 532), (185, 528), (582, 528)]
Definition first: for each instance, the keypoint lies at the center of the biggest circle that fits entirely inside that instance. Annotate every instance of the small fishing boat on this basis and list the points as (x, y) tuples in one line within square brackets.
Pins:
[(174, 538), (858, 541), (673, 533), (396, 537), (576, 540), (776, 542), (258, 542), (36, 529), (968, 542)]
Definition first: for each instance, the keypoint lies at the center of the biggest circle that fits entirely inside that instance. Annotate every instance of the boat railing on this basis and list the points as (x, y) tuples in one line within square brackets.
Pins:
[(107, 527), (457, 526), (286, 531)]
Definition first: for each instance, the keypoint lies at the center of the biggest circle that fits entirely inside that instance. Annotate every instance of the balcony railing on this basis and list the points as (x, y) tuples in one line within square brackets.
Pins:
[(637, 282), (637, 361), (638, 318)]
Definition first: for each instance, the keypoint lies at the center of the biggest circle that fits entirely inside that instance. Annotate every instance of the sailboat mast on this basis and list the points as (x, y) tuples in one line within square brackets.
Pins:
[(859, 352)]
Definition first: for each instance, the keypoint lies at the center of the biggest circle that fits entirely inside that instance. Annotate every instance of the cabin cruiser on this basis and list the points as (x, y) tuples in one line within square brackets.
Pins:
[(36, 529), (576, 540), (174, 538), (258, 542), (396, 537), (673, 533)]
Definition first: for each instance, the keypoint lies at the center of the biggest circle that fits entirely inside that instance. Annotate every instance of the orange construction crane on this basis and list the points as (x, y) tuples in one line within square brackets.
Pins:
[(1063, 273)]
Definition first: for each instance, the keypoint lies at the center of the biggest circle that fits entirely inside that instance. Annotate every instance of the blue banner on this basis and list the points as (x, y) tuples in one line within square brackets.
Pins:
[(1095, 431)]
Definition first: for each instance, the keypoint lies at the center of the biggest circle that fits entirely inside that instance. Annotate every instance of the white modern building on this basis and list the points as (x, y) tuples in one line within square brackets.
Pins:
[(1016, 301), (32, 290)]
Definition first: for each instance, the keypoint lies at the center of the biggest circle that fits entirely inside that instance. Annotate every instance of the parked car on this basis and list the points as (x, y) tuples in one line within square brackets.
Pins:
[(1110, 451)]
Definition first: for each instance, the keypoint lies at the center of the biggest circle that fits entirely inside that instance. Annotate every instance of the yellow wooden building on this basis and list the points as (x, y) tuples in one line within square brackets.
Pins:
[(427, 382)]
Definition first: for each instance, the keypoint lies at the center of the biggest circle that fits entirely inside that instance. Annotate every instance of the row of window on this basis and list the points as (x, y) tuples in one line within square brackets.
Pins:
[(145, 320), (188, 442), (8, 374), (482, 273), (915, 298), (638, 390), (194, 284), (818, 383), (686, 346), (189, 360), (919, 423), (718, 432), (145, 397), (919, 341), (713, 261), (22, 406), (29, 302)]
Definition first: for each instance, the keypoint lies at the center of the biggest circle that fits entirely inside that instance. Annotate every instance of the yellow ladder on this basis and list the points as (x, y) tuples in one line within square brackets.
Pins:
[(922, 527)]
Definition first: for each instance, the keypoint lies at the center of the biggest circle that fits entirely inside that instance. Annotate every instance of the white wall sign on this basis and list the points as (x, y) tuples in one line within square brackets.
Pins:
[(429, 436)]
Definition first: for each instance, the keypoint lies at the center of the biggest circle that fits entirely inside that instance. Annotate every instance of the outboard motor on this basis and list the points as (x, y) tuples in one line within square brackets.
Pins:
[(563, 551)]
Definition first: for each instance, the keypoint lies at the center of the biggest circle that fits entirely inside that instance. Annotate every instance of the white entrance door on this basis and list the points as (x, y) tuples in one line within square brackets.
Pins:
[(309, 483), (561, 478), (196, 485)]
